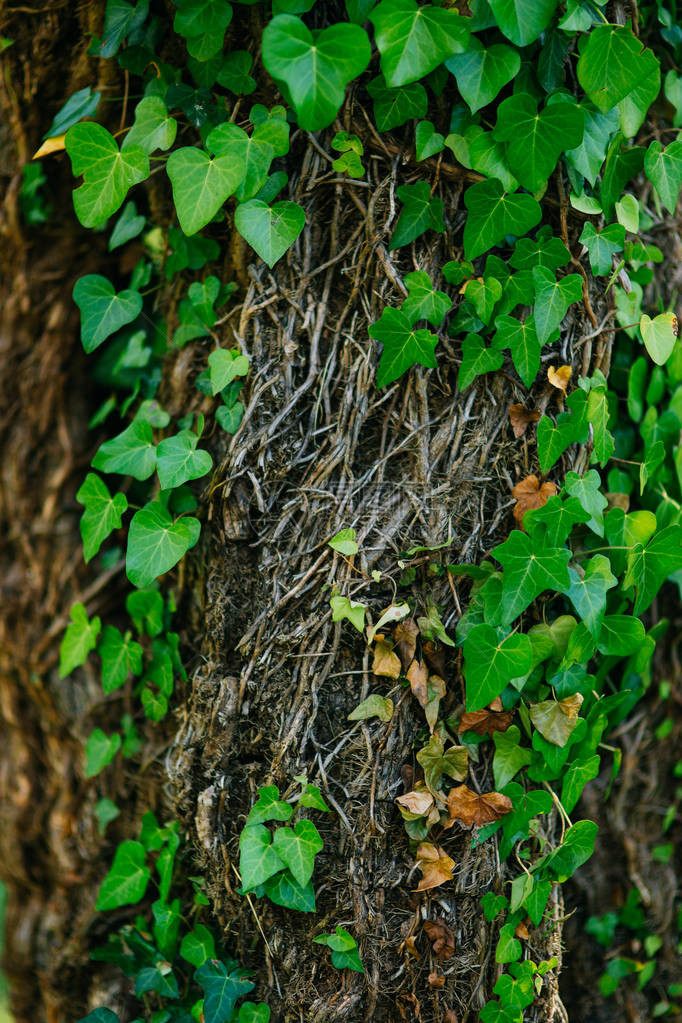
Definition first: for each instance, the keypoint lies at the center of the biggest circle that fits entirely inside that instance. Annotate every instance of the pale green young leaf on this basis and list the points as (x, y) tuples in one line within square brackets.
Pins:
[(552, 300), (127, 880), (490, 663), (178, 460), (344, 542), (509, 757), (663, 167), (100, 750), (198, 945), (153, 127), (352, 610), (421, 212), (258, 859), (602, 245), (481, 73), (402, 345), (128, 226), (297, 848), (620, 635), (522, 21), (659, 336), (414, 40), (535, 139), (627, 212), (103, 311), (476, 360), (374, 706), (344, 950), (79, 639), (270, 230), (156, 543), (201, 184), (131, 453), (107, 173), (315, 67), (269, 807), (230, 418), (121, 656), (588, 589), (225, 365), (103, 513), (493, 215)]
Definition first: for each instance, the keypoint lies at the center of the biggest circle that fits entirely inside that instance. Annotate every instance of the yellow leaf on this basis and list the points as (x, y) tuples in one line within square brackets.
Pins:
[(53, 145)]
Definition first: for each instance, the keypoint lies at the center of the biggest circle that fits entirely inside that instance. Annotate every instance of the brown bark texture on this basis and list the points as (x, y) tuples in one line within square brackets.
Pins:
[(272, 678)]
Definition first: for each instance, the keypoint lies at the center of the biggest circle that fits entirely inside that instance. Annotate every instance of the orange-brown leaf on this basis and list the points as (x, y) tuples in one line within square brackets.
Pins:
[(472, 810), (435, 658), (486, 721), (559, 376), (435, 865), (521, 930), (451, 1017), (442, 937), (436, 980), (405, 638), (521, 417), (530, 493), (418, 802), (386, 663), (418, 678)]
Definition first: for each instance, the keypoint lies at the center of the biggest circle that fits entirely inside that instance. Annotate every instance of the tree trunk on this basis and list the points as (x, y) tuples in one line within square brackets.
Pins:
[(272, 678)]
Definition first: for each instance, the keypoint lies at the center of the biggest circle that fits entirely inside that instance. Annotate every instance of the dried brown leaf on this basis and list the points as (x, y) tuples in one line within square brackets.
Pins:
[(418, 678), (436, 691), (442, 938), (521, 416), (486, 721), (451, 1017), (559, 376), (530, 493), (435, 658), (409, 1007), (386, 663), (472, 810), (521, 930), (435, 865), (436, 980), (405, 638), (419, 802), (410, 946)]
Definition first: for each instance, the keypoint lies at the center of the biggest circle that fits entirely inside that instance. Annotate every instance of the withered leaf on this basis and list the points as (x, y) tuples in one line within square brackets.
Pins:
[(451, 1017), (435, 658), (486, 721), (470, 809), (521, 930), (556, 719), (419, 802), (436, 762), (409, 944), (442, 937), (559, 376), (405, 638), (409, 1007), (435, 865), (435, 689), (520, 417), (375, 706), (436, 980), (386, 663), (530, 493), (418, 677)]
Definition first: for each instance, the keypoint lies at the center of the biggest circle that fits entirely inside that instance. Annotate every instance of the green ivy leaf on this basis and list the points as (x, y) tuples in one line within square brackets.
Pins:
[(131, 453), (156, 543), (201, 184), (178, 460), (153, 127), (528, 571), (222, 987), (127, 880), (546, 251), (315, 67), (351, 610), (587, 591), (572, 427), (393, 107), (127, 227), (269, 807), (270, 230), (599, 414), (508, 948), (120, 19), (374, 706), (284, 890), (145, 607), (103, 312), (344, 949), (633, 108), (234, 73), (103, 513), (602, 245), (620, 635), (476, 360), (522, 339), (100, 750), (427, 141), (423, 301), (230, 418), (576, 849), (649, 566), (557, 517), (552, 299), (198, 945), (663, 167), (255, 153), (493, 214), (576, 778), (481, 73), (202, 23), (120, 655), (82, 104), (297, 848), (612, 60), (414, 40), (403, 346), (420, 213), (589, 156), (107, 173), (489, 663), (522, 21), (79, 639), (587, 489), (535, 139), (249, 1012), (258, 859), (509, 757), (225, 365)]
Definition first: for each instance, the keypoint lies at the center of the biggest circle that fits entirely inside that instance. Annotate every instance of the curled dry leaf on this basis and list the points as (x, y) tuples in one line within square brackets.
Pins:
[(522, 931), (436, 691), (409, 945), (409, 1007), (559, 376), (418, 678), (435, 658), (436, 980), (51, 145), (530, 493), (472, 810), (405, 638), (451, 1017), (442, 937), (419, 802), (435, 865), (386, 663), (486, 721), (520, 417), (556, 719)]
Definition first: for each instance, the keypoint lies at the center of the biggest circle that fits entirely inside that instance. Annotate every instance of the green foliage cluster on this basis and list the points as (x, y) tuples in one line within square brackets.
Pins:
[(528, 98)]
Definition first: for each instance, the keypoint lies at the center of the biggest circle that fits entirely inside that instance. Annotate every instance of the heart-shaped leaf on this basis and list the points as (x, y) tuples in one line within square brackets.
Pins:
[(315, 67), (258, 859), (100, 750), (663, 167), (131, 453), (414, 40), (225, 365), (103, 311), (107, 173), (403, 346), (153, 127), (127, 880), (297, 847), (481, 73), (535, 139), (103, 513), (491, 663), (120, 655), (270, 230), (522, 21), (659, 336), (602, 245), (156, 543), (476, 360), (178, 460), (201, 184), (255, 153), (493, 214), (552, 299), (612, 60)]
